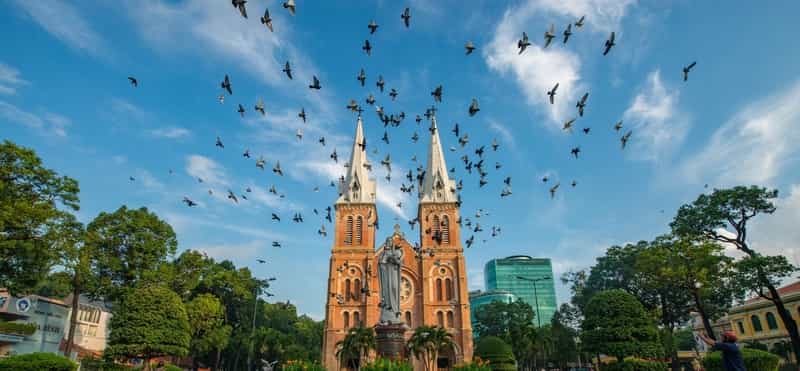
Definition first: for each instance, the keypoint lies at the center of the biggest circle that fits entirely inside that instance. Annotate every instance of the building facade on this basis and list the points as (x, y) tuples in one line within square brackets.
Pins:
[(479, 298), (433, 276), (49, 315), (92, 330), (503, 274)]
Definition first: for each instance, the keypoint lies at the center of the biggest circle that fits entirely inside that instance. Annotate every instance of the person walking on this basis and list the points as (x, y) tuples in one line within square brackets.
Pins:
[(731, 355)]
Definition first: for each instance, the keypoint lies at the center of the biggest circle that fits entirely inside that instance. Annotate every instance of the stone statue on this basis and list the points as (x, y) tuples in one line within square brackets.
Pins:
[(267, 366), (389, 264)]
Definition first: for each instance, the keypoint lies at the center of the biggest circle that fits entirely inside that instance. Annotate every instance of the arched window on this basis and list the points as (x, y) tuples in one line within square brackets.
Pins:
[(346, 320), (408, 318), (756, 323), (438, 289), (772, 323), (440, 319), (347, 289), (741, 327), (359, 223), (348, 231), (448, 285), (357, 319), (450, 319), (445, 229), (435, 229), (356, 289)]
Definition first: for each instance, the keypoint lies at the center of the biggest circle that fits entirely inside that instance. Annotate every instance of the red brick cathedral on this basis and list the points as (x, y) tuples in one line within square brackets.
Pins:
[(433, 277)]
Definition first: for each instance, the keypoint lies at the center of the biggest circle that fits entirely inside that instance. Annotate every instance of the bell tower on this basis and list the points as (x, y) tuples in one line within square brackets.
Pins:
[(352, 277)]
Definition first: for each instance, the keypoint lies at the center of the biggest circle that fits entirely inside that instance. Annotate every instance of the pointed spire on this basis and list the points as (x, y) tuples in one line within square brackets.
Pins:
[(437, 187), (356, 187)]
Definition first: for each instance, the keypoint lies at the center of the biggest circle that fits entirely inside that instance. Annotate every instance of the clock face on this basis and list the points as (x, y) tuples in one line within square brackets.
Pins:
[(406, 290)]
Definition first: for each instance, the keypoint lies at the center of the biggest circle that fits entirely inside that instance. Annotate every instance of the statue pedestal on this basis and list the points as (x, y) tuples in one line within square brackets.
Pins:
[(390, 341)]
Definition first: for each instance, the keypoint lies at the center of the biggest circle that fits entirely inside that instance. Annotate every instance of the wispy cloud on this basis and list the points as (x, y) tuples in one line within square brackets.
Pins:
[(148, 180), (10, 80), (171, 132), (504, 132), (753, 146), (49, 124), (62, 20), (658, 126), (206, 169)]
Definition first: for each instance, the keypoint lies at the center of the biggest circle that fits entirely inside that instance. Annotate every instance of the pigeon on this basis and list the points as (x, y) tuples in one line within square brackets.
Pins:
[(297, 218), (437, 94), (276, 244), (579, 23), (131, 178), (455, 130), (189, 202), (232, 196), (470, 47), (473, 108), (277, 169), (134, 81), (321, 231), (246, 153), (226, 84), (609, 43), (574, 183), (470, 241), (380, 83), (387, 162), (289, 4), (618, 125), (275, 217), (495, 145), (393, 94), (582, 103), (575, 151), (371, 99), (299, 135), (479, 151), (266, 20), (302, 114), (241, 110), (568, 124), (567, 32), (367, 48), (507, 181), (353, 105), (463, 140), (625, 138), (385, 137), (545, 179), (362, 77), (287, 69), (260, 107), (553, 190), (372, 27), (240, 4), (549, 35), (273, 190), (552, 93), (586, 130), (334, 156), (315, 83), (406, 17), (261, 261), (260, 163), (523, 43), (221, 98), (219, 143), (505, 192), (685, 71)]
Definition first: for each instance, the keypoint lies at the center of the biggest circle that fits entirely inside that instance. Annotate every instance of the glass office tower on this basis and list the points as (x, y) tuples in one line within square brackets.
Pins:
[(504, 274)]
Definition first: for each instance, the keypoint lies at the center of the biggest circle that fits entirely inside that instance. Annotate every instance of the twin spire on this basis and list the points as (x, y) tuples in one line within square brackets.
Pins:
[(356, 187)]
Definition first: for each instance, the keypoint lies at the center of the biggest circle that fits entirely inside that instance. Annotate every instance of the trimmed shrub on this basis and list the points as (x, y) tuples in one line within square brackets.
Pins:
[(754, 360), (16, 328), (302, 366), (635, 364), (382, 364), (497, 353), (95, 364), (37, 362)]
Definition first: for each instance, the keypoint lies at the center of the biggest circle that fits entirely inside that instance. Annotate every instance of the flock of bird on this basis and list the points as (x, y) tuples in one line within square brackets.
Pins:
[(473, 165)]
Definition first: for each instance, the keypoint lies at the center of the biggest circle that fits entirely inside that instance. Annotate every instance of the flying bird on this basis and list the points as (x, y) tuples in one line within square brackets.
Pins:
[(618, 125), (687, 69), (288, 70), (221, 98), (276, 244), (289, 4), (372, 27), (246, 153), (470, 47), (579, 23), (261, 261), (406, 17), (567, 32), (586, 130), (277, 168), (473, 107), (523, 43), (353, 106), (302, 114), (609, 43), (362, 77), (240, 4), (219, 143), (393, 94), (575, 151), (315, 83), (240, 110), (232, 196), (260, 106), (582, 103), (549, 35), (260, 163), (470, 241), (574, 183), (367, 47), (380, 83), (275, 217), (266, 20), (495, 144), (568, 124), (370, 99), (133, 81), (625, 138), (437, 94), (226, 84), (321, 231), (552, 93), (189, 202), (553, 190)]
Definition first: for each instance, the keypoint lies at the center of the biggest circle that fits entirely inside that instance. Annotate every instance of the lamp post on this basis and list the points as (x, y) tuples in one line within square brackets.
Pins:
[(255, 308), (535, 294)]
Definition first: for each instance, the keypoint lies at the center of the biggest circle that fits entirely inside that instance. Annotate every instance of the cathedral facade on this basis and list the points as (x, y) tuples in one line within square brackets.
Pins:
[(433, 285)]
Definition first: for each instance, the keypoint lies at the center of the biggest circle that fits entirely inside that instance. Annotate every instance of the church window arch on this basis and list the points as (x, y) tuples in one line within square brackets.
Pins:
[(347, 289), (440, 319), (438, 289), (357, 319), (356, 289), (448, 284), (756, 323), (348, 231), (359, 224), (445, 229), (450, 319), (408, 318), (346, 320)]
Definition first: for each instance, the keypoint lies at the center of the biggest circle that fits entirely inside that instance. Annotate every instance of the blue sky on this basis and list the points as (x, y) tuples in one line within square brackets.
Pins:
[(64, 92)]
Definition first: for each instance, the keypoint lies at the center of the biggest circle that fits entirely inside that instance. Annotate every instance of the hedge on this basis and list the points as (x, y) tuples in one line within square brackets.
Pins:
[(476, 365), (635, 364), (382, 364), (16, 328), (37, 362), (754, 360), (302, 366), (94, 364), (172, 368)]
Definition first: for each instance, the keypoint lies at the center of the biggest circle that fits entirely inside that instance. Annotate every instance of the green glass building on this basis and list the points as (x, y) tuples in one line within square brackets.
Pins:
[(504, 275)]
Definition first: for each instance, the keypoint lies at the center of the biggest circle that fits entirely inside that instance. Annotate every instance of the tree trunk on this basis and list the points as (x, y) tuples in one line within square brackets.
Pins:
[(73, 318), (216, 360), (788, 321), (703, 316)]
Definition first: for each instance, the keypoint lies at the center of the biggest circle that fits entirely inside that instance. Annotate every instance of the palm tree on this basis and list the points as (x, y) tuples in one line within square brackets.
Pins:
[(358, 342), (427, 342)]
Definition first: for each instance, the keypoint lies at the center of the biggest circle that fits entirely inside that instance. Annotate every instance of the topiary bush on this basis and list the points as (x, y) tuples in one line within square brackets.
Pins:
[(754, 360), (635, 364), (383, 364), (497, 353), (37, 362)]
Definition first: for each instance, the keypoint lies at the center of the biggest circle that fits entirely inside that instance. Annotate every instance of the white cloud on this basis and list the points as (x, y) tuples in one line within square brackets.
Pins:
[(777, 234), (172, 132), (240, 254), (50, 124), (10, 79), (148, 180), (658, 126), (753, 146), (505, 134), (601, 15), (63, 21), (206, 169)]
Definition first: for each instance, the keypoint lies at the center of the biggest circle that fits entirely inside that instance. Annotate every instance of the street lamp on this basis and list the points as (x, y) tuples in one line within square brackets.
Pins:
[(535, 295)]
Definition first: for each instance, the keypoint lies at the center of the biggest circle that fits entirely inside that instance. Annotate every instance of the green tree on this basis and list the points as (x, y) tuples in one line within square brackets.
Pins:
[(209, 331), (512, 322), (56, 285), (565, 347), (129, 246), (357, 344), (427, 342), (149, 322), (722, 216), (34, 203), (616, 323), (497, 352)]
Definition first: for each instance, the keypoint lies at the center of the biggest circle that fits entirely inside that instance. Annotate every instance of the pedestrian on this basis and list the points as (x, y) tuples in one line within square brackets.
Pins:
[(731, 355)]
